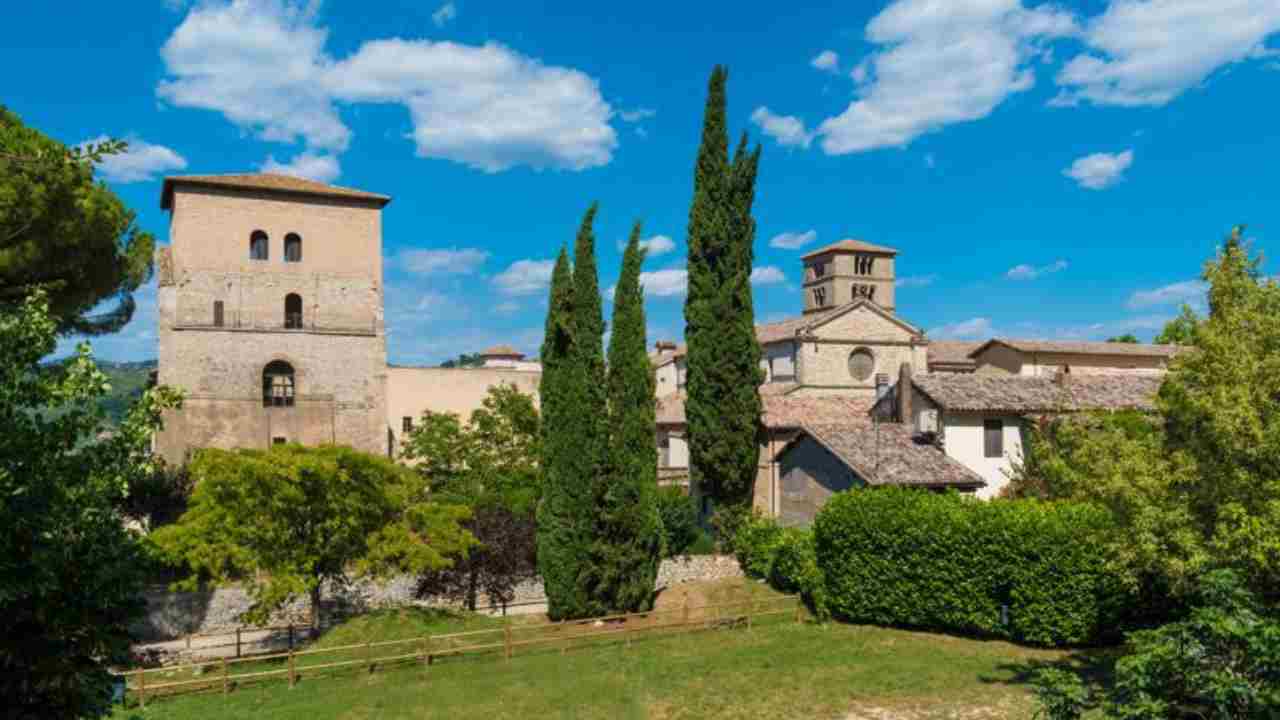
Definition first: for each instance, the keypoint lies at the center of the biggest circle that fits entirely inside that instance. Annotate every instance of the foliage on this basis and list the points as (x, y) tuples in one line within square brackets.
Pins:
[(159, 497), (1024, 570), (755, 544), (1180, 330), (795, 569), (1062, 695), (1197, 485), (64, 233), (723, 405), (627, 545), (679, 515), (71, 575), (1126, 338), (504, 557), (1221, 662), (285, 520), (564, 513), (465, 360)]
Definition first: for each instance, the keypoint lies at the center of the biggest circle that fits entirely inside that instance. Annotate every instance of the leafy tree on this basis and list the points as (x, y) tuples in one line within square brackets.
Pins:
[(285, 520), (1180, 330), (1126, 338), (627, 546), (679, 514), (71, 575), (465, 360), (61, 231), (505, 556), (564, 511), (723, 406)]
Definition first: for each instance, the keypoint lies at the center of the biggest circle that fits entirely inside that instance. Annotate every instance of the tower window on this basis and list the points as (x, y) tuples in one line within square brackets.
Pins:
[(862, 264), (293, 311), (820, 296), (292, 248), (217, 313), (277, 384), (259, 246)]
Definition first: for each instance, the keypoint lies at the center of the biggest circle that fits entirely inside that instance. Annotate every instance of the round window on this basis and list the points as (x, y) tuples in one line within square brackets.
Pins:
[(861, 364)]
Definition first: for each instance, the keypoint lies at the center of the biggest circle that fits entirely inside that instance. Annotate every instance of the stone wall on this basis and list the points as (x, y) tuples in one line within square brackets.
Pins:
[(171, 615)]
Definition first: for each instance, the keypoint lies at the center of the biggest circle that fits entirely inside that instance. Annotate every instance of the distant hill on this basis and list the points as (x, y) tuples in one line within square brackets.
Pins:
[(128, 380)]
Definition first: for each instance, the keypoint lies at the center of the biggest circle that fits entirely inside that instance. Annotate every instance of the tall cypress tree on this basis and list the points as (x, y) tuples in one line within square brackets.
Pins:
[(723, 405), (628, 540)]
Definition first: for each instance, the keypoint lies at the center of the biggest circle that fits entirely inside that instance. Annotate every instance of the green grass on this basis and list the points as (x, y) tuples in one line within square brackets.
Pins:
[(777, 669)]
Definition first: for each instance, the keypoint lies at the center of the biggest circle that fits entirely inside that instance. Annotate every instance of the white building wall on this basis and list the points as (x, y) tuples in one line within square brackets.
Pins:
[(665, 380), (963, 441)]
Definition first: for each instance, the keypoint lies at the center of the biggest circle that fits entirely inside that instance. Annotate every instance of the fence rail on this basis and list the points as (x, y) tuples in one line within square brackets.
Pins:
[(227, 673)]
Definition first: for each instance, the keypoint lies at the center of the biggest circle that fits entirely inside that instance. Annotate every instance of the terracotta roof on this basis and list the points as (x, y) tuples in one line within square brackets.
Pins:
[(781, 411), (850, 245), (1019, 394), (502, 351), (891, 454), (950, 352), (1083, 348), (270, 182)]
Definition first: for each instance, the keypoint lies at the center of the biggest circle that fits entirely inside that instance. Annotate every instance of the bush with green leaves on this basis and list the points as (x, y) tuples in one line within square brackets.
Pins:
[(755, 544), (1221, 662), (1061, 694), (795, 569), (679, 515), (1024, 570)]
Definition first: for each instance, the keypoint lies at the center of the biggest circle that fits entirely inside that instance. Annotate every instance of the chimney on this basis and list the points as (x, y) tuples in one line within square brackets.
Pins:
[(905, 391)]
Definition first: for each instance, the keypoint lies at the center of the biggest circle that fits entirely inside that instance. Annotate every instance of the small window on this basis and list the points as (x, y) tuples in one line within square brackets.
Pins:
[(279, 441), (820, 296), (292, 248), (664, 451), (259, 246), (293, 311), (406, 424), (277, 384), (862, 363), (993, 438), (218, 318)]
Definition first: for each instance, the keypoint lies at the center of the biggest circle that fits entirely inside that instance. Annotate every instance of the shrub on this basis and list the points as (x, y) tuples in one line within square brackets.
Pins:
[(1024, 570), (755, 544), (1061, 694), (704, 545), (679, 514), (795, 569)]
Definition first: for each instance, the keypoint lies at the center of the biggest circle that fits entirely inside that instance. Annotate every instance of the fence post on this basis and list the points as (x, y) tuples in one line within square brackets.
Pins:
[(237, 642), (799, 608), (142, 688), (293, 675), (506, 638), (684, 619), (368, 654), (751, 610), (290, 636), (226, 681)]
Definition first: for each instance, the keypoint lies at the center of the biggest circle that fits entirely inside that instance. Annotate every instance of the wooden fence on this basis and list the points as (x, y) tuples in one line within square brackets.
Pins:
[(509, 639)]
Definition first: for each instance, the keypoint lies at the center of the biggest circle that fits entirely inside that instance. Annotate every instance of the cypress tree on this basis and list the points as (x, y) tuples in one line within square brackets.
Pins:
[(628, 541), (723, 404)]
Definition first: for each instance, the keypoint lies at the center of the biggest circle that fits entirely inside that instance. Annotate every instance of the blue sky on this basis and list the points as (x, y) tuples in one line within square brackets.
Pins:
[(1045, 170)]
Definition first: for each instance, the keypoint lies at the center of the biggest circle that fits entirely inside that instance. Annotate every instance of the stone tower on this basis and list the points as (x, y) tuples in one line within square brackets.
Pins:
[(270, 314), (846, 271)]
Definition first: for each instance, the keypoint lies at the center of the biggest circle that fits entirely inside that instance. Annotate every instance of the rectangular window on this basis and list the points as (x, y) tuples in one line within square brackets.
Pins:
[(406, 424), (278, 441), (993, 438), (664, 451), (819, 296), (217, 313)]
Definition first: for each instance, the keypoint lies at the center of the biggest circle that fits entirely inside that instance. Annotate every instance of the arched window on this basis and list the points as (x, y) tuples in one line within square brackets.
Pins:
[(293, 311), (277, 384), (292, 248), (259, 247)]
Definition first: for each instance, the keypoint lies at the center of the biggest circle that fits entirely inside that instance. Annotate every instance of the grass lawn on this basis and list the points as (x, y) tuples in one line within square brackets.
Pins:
[(777, 669)]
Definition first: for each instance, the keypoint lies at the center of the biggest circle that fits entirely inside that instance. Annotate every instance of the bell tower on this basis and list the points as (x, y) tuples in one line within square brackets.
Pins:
[(849, 270)]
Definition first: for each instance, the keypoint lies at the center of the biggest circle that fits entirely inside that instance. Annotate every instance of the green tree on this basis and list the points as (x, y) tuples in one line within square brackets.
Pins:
[(628, 541), (64, 233), (723, 406), (286, 520), (565, 509), (1126, 338), (465, 360), (1180, 330), (71, 575)]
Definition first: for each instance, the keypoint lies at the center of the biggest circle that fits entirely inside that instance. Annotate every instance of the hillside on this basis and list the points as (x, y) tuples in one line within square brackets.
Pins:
[(128, 380)]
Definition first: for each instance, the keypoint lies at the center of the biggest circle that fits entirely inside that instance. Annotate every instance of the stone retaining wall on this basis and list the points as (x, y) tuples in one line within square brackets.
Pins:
[(171, 615)]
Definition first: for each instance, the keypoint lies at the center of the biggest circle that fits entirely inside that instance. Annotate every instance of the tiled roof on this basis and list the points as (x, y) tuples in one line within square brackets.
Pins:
[(270, 182), (501, 351), (1019, 394), (1084, 348), (950, 352), (781, 411), (850, 245), (891, 454)]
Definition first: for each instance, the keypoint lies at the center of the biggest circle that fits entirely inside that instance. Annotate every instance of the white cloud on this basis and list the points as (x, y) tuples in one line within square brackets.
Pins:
[(141, 162), (634, 116), (444, 14), (826, 60), (654, 246), (767, 275), (940, 63), (793, 240), (1031, 272), (788, 130), (1149, 52), (453, 261), (525, 277), (506, 308), (1099, 170), (973, 328), (487, 106), (910, 281), (664, 283), (321, 168), (1188, 291)]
